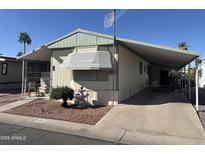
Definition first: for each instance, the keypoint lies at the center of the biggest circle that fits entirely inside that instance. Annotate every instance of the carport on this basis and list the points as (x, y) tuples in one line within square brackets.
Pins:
[(171, 58), (158, 112)]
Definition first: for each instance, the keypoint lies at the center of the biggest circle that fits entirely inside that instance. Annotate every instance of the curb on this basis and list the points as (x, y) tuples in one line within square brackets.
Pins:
[(118, 136)]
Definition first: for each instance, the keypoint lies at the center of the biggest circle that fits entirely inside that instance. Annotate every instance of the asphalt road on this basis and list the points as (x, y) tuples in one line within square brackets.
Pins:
[(18, 135)]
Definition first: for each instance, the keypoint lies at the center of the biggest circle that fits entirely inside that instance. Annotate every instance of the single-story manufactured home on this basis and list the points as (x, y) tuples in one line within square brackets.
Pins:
[(85, 58)]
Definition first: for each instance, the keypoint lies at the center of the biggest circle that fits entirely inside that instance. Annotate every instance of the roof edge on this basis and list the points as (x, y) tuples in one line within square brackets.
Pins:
[(194, 53), (7, 57), (111, 37), (123, 39)]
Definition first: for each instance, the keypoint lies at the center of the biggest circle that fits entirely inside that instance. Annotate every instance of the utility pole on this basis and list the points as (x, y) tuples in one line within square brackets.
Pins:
[(110, 21)]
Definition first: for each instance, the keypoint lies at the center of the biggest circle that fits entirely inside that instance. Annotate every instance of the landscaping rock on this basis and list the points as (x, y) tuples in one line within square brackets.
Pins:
[(81, 105), (54, 110)]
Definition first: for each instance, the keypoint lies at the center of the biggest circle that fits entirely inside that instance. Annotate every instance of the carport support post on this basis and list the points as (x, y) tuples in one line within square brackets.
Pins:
[(22, 84), (197, 85), (181, 81), (182, 84), (25, 77), (189, 88)]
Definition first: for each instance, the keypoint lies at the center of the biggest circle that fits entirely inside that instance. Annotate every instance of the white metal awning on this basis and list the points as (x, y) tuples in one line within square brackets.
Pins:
[(88, 61)]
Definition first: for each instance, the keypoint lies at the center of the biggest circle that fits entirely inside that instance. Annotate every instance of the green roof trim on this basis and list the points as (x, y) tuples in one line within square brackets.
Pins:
[(80, 38)]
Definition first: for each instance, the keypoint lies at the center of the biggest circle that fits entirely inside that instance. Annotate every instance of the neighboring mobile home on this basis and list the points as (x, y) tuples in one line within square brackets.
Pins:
[(10, 74), (84, 58)]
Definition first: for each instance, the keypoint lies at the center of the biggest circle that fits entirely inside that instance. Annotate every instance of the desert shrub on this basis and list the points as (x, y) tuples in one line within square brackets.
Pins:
[(63, 93)]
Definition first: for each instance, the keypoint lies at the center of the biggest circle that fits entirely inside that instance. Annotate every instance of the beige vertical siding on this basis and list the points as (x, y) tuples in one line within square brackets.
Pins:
[(102, 91), (130, 80), (98, 90), (61, 76)]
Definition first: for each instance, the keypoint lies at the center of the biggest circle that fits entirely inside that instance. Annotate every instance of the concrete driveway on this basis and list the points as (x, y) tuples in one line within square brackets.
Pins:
[(156, 113)]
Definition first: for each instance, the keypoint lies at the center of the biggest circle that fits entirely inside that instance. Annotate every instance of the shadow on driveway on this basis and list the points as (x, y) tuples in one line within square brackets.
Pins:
[(149, 97)]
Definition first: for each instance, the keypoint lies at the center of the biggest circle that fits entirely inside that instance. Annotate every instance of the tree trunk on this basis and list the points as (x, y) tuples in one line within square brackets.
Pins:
[(23, 70), (24, 47), (64, 103)]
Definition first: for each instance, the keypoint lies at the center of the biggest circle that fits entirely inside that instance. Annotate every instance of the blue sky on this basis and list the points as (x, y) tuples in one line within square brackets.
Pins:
[(163, 27)]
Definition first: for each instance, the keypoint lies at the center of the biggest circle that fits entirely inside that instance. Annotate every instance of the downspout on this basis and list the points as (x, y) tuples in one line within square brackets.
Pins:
[(51, 71)]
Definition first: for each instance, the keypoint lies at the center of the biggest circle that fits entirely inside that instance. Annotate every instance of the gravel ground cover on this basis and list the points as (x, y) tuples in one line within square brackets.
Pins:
[(54, 110)]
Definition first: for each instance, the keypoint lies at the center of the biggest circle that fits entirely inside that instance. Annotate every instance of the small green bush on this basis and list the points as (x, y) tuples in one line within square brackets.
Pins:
[(64, 93)]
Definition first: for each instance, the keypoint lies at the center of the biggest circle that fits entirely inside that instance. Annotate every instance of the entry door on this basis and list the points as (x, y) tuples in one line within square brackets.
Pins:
[(163, 77)]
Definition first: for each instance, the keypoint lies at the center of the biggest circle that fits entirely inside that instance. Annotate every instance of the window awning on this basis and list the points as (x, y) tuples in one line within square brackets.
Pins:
[(88, 61)]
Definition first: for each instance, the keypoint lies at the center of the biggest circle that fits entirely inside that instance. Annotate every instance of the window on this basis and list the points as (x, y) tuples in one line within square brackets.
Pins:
[(148, 69), (4, 68), (90, 75), (54, 68), (102, 75), (105, 48), (145, 68), (140, 69)]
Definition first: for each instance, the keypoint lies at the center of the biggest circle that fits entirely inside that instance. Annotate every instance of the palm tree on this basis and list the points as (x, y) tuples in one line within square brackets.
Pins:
[(25, 39), (19, 54), (184, 46)]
